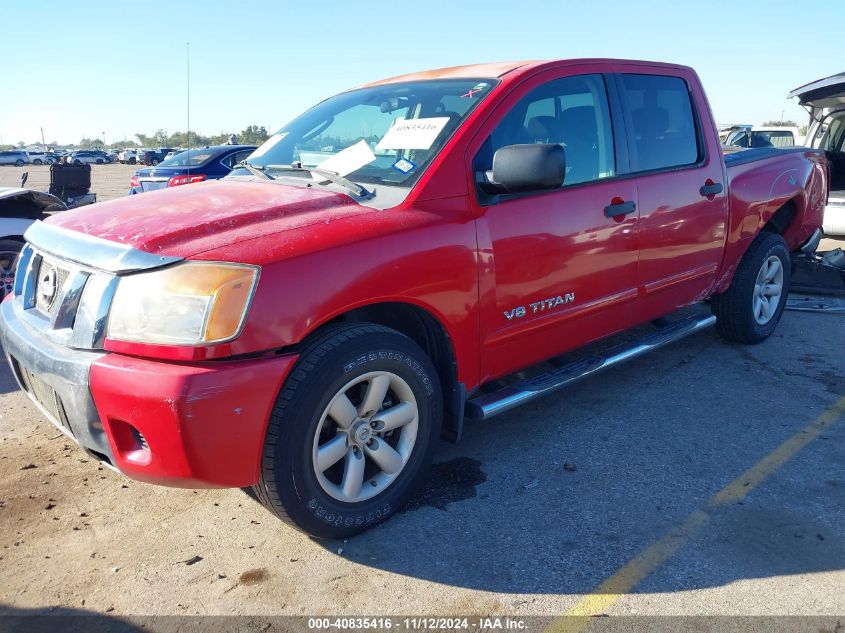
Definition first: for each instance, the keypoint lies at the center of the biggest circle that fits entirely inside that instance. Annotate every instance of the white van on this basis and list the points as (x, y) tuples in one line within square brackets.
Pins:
[(825, 101)]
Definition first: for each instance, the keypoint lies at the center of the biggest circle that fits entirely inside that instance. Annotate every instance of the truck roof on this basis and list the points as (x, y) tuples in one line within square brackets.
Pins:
[(500, 69)]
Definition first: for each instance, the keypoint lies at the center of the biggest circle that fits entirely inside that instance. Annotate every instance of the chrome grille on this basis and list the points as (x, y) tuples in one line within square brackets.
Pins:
[(49, 282), (66, 301), (77, 313)]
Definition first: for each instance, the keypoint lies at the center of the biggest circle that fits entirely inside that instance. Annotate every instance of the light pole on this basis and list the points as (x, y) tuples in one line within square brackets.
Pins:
[(43, 144)]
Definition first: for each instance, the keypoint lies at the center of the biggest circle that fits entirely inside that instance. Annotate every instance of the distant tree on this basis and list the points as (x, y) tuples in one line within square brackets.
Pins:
[(123, 144), (21, 144), (253, 135), (144, 140), (5, 147), (780, 124), (91, 142), (160, 137)]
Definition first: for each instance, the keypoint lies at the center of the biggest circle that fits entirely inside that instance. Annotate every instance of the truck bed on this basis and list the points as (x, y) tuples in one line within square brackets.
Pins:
[(754, 154)]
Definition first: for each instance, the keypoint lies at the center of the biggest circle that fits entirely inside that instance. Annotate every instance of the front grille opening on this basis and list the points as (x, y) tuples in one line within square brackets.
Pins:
[(130, 442), (43, 394)]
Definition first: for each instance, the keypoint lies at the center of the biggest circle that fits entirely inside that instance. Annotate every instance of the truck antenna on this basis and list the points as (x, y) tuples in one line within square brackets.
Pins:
[(188, 83)]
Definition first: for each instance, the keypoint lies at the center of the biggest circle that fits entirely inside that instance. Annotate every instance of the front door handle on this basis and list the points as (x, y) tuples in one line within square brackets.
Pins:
[(620, 208), (711, 189)]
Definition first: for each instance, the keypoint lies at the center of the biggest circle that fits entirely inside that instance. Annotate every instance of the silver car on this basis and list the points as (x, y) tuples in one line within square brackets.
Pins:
[(14, 157)]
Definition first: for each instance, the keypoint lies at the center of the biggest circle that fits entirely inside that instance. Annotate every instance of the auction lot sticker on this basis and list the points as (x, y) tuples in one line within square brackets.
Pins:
[(413, 133)]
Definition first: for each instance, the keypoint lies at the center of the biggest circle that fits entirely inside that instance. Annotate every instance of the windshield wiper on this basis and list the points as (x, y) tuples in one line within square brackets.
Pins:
[(326, 175), (255, 171)]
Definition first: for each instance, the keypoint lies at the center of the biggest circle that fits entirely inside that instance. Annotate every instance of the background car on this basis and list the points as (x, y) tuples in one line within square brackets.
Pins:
[(14, 157), (92, 156), (155, 156), (765, 137), (128, 156), (190, 166), (825, 100), (19, 208), (38, 158)]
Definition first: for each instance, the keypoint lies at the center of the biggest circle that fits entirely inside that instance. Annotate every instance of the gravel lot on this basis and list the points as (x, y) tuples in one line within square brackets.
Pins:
[(502, 526)]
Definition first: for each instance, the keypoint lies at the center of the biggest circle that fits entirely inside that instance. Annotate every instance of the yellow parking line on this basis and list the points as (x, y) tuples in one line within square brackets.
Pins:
[(608, 593)]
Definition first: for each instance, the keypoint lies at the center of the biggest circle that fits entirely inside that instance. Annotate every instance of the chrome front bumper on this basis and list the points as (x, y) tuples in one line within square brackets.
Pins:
[(55, 378)]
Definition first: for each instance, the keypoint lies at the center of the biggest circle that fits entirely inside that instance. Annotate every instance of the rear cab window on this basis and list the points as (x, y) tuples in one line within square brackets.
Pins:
[(663, 129)]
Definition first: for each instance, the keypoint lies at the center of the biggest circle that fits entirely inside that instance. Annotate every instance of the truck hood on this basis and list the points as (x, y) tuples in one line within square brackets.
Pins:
[(185, 221), (822, 94)]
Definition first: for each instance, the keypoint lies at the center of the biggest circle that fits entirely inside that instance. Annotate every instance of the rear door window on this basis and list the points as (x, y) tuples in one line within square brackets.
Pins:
[(662, 122)]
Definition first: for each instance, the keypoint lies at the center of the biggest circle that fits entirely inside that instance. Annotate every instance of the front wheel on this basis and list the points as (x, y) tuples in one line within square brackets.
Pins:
[(752, 306), (352, 432), (37, 161)]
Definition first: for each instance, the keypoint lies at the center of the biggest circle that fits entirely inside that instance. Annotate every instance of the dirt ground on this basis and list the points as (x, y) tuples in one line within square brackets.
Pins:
[(107, 181), (527, 515)]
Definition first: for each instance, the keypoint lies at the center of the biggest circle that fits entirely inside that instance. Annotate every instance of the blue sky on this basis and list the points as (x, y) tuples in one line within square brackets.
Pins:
[(82, 67)]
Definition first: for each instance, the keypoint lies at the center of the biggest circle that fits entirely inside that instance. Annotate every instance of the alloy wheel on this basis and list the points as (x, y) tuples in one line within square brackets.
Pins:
[(365, 436), (768, 289)]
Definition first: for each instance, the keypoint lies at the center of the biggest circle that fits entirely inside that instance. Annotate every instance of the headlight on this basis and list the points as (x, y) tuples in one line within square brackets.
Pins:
[(188, 304)]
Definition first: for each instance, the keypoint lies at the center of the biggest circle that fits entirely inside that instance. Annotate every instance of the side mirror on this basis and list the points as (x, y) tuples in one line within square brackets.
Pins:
[(532, 167)]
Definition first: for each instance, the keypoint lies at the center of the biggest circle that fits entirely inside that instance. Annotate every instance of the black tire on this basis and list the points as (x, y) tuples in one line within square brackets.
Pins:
[(734, 309), (77, 162), (288, 486), (19, 163), (154, 162), (9, 251), (37, 161)]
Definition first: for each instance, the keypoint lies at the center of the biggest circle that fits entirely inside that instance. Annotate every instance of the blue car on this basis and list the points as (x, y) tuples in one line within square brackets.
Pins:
[(193, 165)]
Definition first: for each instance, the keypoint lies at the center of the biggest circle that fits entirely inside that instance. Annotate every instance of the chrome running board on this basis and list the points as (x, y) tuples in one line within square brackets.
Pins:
[(485, 406)]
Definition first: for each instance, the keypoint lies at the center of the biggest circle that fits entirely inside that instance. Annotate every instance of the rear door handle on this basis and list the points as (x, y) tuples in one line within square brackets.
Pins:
[(711, 189), (621, 208)]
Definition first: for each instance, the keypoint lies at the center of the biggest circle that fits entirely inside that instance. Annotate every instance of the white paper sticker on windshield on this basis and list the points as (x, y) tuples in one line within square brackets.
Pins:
[(413, 133), (267, 145), (346, 161)]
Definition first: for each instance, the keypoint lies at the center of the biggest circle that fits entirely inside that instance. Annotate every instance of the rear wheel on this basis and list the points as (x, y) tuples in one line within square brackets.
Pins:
[(352, 432), (19, 163), (37, 161), (9, 252), (752, 307), (154, 161)]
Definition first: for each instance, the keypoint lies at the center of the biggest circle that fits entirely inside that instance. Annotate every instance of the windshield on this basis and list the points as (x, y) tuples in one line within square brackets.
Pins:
[(188, 158), (385, 134)]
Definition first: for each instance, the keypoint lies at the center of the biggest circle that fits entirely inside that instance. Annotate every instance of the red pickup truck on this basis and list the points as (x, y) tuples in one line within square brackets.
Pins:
[(399, 258)]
